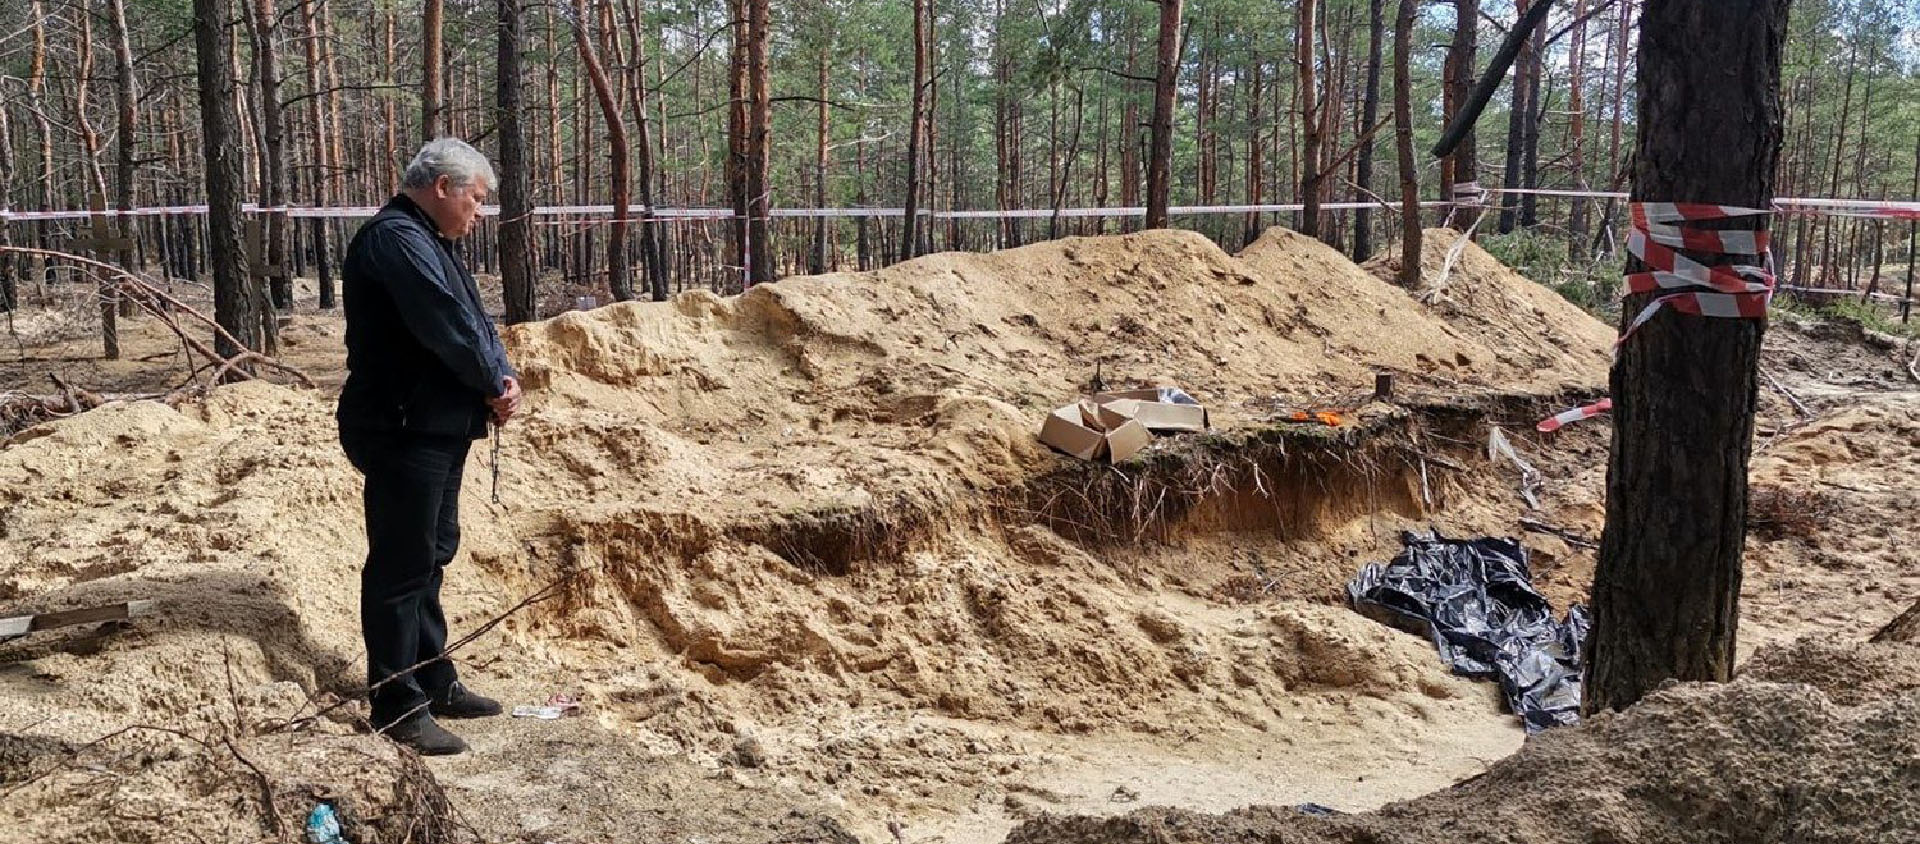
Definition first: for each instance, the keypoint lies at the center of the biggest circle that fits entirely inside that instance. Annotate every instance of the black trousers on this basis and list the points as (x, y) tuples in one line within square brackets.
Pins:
[(412, 500)]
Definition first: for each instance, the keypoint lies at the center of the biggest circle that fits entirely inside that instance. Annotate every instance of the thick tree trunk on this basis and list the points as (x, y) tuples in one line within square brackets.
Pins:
[(517, 274), (1666, 592), (238, 306), (1160, 154), (1369, 114), (1403, 136)]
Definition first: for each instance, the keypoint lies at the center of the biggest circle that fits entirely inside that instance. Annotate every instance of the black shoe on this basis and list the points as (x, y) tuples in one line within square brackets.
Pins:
[(457, 702), (426, 737)]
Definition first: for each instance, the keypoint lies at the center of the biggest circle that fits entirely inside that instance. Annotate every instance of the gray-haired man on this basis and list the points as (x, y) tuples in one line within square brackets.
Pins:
[(425, 374)]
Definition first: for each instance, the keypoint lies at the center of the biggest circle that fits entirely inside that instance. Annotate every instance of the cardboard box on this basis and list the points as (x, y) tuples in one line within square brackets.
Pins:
[(1116, 426), (1153, 408), (1127, 440), (1066, 429), (1063, 430)]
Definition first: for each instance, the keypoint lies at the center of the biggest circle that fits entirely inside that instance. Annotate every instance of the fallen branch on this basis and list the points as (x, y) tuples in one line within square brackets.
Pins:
[(1798, 406), (161, 306), (1567, 536)]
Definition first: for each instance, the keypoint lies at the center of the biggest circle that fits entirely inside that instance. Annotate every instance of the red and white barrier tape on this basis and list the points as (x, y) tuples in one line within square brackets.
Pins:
[(1731, 291), (1554, 423), (1466, 193)]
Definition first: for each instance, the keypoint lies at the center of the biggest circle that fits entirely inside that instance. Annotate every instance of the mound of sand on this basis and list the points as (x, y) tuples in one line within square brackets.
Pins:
[(814, 554), (1751, 760)]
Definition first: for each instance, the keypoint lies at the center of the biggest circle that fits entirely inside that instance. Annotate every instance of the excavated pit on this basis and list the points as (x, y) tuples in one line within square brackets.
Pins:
[(804, 561)]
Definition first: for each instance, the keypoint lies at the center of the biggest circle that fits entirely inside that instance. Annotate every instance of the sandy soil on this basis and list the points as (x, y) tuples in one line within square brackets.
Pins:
[(816, 581)]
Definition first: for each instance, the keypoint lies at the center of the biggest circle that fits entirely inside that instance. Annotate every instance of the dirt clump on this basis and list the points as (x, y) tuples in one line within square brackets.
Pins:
[(1748, 760)]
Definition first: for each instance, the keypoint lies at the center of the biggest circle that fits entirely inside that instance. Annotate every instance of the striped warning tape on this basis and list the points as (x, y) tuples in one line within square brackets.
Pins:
[(1465, 193), (1554, 423), (1727, 291)]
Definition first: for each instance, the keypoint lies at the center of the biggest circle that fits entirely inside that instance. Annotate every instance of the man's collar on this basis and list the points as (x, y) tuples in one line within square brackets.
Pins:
[(407, 206)]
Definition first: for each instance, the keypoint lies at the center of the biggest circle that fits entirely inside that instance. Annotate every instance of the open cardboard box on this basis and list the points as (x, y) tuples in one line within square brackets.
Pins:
[(1117, 425), (1077, 430)]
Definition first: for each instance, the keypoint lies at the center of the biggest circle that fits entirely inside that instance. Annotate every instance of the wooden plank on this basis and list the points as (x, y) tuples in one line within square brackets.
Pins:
[(24, 624)]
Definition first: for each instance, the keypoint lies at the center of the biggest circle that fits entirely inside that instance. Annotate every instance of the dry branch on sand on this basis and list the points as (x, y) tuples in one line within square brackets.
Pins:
[(19, 409)]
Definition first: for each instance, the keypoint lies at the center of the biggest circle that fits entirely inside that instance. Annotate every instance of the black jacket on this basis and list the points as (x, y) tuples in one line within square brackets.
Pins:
[(422, 356)]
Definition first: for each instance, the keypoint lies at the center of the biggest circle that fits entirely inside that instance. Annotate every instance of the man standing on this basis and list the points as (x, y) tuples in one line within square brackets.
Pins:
[(425, 375)]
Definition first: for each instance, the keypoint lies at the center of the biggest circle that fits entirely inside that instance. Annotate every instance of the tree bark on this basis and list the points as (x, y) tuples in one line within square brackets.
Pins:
[(817, 257), (1461, 169), (273, 158), (126, 97), (237, 304), (1160, 154), (1369, 114), (1403, 135), (652, 238), (619, 280), (1309, 123), (1577, 130), (432, 86), (317, 124), (760, 145), (517, 274), (1516, 131), (736, 167), (910, 216), (95, 180), (9, 263), (1666, 592)]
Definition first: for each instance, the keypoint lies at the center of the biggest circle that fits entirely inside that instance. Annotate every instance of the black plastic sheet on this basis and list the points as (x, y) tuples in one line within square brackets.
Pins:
[(1475, 599)]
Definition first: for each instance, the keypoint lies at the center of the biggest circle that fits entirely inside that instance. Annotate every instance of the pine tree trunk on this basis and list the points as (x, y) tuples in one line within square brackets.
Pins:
[(517, 275), (1160, 155), (1309, 123), (237, 305), (1369, 114), (817, 259), (1533, 68), (1577, 131), (619, 280), (1516, 131), (1461, 169), (759, 146), (910, 217), (432, 86), (316, 121), (126, 96), (9, 263), (1403, 136), (653, 246), (1256, 165), (273, 157), (1666, 592)]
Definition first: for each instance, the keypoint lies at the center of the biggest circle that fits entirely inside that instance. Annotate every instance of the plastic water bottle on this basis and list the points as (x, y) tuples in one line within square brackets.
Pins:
[(323, 827)]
